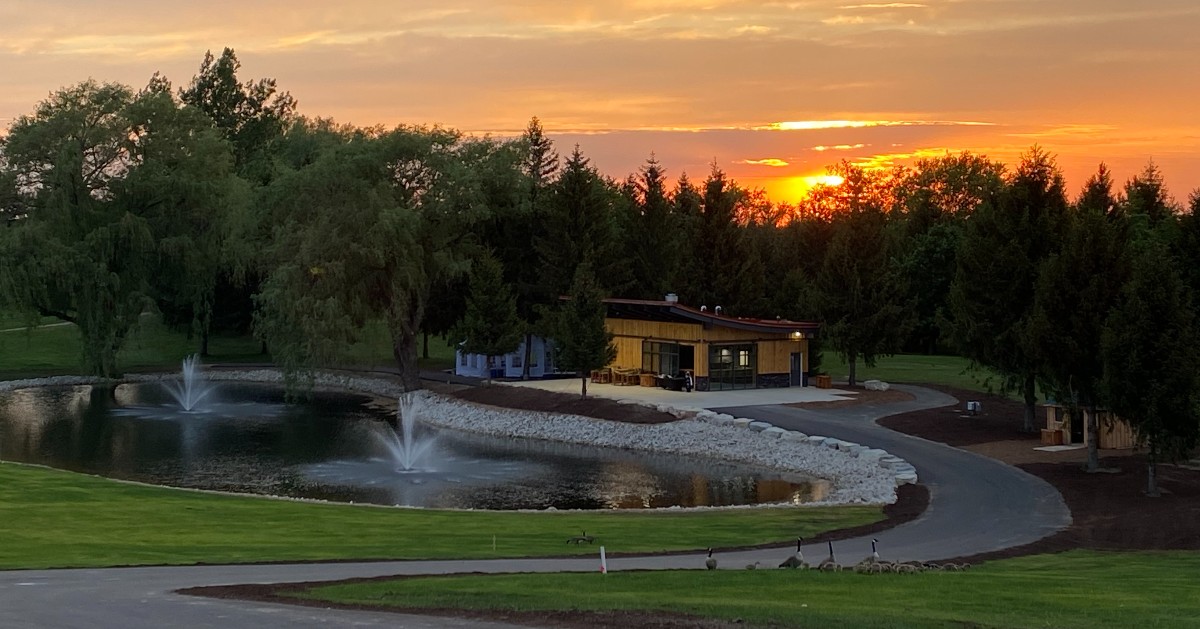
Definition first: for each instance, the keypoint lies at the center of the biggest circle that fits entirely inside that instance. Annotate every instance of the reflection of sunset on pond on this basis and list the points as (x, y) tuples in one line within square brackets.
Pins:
[(628, 485)]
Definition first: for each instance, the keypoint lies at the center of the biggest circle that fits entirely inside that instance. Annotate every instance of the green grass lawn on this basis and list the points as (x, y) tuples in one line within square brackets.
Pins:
[(1079, 589), (951, 371), (152, 346), (50, 518)]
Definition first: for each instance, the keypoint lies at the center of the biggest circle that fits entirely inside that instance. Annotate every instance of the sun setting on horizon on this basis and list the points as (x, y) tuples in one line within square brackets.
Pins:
[(882, 84)]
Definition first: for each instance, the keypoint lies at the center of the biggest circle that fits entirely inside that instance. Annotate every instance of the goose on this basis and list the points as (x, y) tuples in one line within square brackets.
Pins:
[(829, 563), (869, 560), (752, 566), (711, 562), (796, 560)]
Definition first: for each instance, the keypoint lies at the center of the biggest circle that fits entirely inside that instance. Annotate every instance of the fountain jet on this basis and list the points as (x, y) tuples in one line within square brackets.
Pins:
[(192, 387), (408, 452)]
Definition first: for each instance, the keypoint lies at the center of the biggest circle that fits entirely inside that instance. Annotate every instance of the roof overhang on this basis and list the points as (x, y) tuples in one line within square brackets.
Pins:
[(673, 312)]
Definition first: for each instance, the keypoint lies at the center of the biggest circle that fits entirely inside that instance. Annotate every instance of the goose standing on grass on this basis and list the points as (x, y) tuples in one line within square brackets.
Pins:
[(796, 560), (873, 558), (829, 563), (752, 566), (711, 562)]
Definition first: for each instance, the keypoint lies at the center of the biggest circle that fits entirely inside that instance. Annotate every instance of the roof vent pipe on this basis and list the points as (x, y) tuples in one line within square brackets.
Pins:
[(703, 308), (718, 309), (672, 298)]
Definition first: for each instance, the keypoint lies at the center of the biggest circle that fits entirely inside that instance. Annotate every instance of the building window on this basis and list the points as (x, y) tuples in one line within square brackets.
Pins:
[(462, 359), (731, 367), (660, 357)]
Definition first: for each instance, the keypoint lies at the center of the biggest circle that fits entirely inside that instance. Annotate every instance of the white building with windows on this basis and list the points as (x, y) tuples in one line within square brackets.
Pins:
[(541, 362)]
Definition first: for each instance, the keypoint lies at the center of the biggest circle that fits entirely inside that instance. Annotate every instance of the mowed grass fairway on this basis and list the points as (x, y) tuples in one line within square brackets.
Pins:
[(1078, 589), (50, 518), (53, 349), (953, 371)]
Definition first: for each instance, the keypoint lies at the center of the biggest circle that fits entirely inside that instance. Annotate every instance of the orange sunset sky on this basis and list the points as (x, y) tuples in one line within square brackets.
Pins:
[(772, 91)]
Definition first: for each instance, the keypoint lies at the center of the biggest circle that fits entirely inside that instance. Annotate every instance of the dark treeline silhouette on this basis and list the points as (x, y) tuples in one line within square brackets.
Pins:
[(222, 209)]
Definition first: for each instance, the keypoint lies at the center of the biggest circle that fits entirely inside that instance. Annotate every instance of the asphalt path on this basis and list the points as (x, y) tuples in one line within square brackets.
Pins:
[(977, 505)]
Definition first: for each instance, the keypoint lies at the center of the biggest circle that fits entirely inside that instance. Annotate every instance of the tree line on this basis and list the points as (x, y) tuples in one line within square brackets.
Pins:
[(219, 207)]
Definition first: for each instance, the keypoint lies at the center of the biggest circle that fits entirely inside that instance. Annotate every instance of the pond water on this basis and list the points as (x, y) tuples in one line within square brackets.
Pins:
[(248, 439)]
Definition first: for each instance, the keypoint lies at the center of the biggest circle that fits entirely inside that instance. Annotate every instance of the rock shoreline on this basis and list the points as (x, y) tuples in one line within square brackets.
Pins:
[(857, 474)]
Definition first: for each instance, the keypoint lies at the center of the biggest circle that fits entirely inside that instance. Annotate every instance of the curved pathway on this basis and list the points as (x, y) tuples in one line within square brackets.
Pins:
[(976, 505)]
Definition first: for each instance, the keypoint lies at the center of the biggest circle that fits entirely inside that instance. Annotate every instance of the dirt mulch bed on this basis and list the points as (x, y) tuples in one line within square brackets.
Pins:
[(862, 396), (1109, 510), (532, 399), (1000, 419)]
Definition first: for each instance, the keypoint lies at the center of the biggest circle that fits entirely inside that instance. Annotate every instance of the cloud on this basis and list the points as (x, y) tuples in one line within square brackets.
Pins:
[(837, 147), (812, 125), (769, 161), (884, 5)]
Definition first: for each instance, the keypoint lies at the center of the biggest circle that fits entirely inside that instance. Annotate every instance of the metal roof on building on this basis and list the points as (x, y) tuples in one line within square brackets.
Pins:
[(672, 311)]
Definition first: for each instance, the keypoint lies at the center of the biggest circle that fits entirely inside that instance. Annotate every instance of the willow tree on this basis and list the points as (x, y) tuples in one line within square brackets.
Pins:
[(92, 164), (361, 233)]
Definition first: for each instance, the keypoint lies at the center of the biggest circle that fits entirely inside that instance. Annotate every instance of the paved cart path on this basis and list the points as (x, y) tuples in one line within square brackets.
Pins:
[(976, 505)]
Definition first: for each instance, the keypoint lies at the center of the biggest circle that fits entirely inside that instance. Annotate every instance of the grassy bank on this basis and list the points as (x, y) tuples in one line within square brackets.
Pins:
[(951, 371), (58, 519), (54, 349), (1079, 589)]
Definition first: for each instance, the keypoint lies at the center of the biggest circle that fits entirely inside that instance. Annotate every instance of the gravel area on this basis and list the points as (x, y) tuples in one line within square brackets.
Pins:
[(856, 478)]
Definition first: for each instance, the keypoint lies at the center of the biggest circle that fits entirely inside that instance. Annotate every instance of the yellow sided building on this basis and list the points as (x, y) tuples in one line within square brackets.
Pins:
[(666, 338)]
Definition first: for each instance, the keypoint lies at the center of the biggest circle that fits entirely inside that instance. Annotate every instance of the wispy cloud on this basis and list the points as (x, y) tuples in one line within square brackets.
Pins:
[(769, 161), (884, 5), (888, 160), (814, 125), (1068, 130), (837, 147)]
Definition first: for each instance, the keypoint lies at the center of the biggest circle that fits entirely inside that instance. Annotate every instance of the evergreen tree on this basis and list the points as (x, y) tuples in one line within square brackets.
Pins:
[(1151, 372), (653, 233), (579, 226), (490, 325), (1077, 287), (718, 248), (1146, 197), (860, 293), (1003, 247), (584, 343)]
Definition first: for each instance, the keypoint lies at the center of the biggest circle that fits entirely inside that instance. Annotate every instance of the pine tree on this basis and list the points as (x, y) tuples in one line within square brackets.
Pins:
[(1077, 287), (1150, 349), (490, 325), (583, 341), (1003, 247)]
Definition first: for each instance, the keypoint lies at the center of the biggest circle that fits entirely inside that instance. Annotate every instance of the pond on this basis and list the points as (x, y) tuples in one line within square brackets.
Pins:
[(336, 447)]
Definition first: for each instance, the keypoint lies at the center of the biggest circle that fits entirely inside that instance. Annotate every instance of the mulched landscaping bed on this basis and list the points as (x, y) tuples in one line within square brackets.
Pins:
[(1109, 510)]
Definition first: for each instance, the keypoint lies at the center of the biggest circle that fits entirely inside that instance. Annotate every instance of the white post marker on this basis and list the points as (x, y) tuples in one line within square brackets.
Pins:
[(603, 562)]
